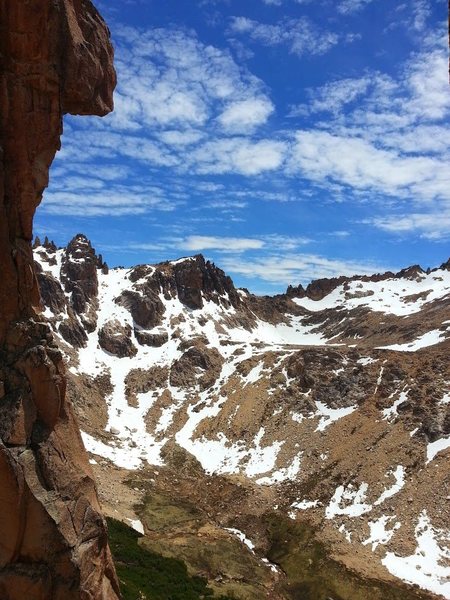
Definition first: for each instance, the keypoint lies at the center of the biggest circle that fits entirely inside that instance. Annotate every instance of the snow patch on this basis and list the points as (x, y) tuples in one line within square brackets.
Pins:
[(137, 525), (255, 374), (353, 501), (330, 415), (428, 567), (389, 414), (438, 446), (399, 475), (287, 474), (244, 539), (378, 532), (430, 338), (391, 296)]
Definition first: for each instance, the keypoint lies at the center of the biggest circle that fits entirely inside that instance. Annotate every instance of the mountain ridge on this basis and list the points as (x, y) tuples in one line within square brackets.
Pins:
[(292, 290), (334, 410)]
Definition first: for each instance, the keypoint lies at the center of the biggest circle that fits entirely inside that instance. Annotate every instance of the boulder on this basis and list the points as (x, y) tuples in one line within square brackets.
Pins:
[(146, 310), (115, 338), (156, 340)]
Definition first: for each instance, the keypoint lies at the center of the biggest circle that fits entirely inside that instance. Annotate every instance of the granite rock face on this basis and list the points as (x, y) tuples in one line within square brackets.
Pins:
[(55, 58), (79, 277)]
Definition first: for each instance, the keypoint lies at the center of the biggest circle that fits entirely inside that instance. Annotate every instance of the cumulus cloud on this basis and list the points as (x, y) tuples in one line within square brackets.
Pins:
[(360, 164), (231, 245), (246, 115), (186, 109), (387, 137), (89, 202), (181, 104), (168, 77), (238, 155), (413, 16), (333, 96)]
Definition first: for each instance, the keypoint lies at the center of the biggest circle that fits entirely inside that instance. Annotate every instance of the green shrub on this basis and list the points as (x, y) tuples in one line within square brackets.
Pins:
[(145, 575)]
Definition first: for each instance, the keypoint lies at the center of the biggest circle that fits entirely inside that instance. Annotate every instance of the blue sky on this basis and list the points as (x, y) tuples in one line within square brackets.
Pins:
[(284, 139)]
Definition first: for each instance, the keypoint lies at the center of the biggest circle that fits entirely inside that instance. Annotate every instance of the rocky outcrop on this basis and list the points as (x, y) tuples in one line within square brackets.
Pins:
[(116, 339), (72, 332), (55, 58), (446, 265), (79, 277), (52, 294), (141, 381), (192, 280), (70, 290), (319, 288), (197, 279), (156, 340), (199, 365), (145, 306)]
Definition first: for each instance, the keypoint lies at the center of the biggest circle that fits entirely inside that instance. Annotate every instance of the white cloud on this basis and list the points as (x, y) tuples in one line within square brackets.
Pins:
[(227, 205), (340, 233), (346, 7), (296, 268), (301, 35), (285, 242), (197, 243), (393, 143), (355, 162), (413, 16), (184, 107), (230, 245), (168, 78), (181, 104), (107, 144), (246, 115), (333, 96), (174, 137), (421, 11), (427, 80), (91, 203), (434, 225), (238, 155)]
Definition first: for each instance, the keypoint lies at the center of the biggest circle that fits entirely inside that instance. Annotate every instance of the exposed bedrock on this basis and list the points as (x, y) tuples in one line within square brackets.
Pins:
[(55, 58)]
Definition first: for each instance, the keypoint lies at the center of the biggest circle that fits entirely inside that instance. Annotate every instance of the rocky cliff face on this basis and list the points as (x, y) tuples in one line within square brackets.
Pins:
[(55, 58)]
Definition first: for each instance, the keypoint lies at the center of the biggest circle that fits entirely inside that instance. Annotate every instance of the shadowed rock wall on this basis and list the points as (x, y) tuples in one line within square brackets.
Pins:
[(55, 58)]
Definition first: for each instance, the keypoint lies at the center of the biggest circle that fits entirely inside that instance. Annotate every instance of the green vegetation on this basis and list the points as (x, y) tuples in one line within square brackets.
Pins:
[(145, 575), (183, 544), (181, 530), (313, 575)]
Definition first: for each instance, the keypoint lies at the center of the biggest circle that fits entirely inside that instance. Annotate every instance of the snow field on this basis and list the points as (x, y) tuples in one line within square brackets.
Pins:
[(391, 296)]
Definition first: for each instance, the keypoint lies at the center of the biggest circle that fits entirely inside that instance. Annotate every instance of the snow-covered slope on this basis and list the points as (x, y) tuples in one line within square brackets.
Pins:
[(341, 402)]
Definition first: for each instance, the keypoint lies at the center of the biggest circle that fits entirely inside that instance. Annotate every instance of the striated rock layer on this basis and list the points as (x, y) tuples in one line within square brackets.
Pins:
[(55, 58)]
